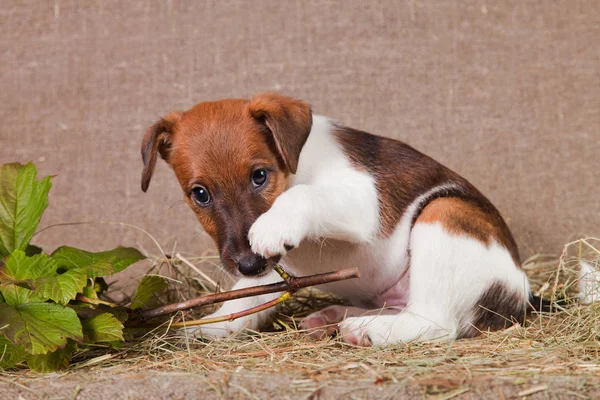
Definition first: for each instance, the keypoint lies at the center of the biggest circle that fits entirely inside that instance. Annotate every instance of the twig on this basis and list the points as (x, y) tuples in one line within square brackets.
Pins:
[(85, 299), (231, 317), (291, 285)]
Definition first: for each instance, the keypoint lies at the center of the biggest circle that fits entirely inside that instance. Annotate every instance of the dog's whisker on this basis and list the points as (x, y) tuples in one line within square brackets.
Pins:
[(175, 204), (222, 273)]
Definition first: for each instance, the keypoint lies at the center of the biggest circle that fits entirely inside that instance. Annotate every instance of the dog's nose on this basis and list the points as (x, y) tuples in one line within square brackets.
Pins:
[(252, 264)]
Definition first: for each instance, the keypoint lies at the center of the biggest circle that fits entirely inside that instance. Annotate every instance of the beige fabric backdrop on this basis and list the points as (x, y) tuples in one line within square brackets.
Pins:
[(505, 93)]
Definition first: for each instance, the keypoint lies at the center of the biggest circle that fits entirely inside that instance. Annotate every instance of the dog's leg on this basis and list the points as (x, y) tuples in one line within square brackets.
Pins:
[(406, 326), (449, 274), (430, 310), (346, 211), (325, 322), (252, 322)]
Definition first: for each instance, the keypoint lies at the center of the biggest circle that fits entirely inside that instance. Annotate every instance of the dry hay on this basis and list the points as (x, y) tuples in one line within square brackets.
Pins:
[(567, 341), (560, 343)]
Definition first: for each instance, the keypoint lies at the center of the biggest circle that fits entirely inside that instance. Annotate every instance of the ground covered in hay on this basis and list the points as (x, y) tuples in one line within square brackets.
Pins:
[(552, 356)]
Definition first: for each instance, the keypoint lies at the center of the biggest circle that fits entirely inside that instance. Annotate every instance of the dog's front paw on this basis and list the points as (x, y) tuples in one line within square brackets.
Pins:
[(274, 233)]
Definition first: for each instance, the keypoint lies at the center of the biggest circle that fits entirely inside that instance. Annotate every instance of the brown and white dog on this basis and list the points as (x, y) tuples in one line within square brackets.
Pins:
[(272, 182)]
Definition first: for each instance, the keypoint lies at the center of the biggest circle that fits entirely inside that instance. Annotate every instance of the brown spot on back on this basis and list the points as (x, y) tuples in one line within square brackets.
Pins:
[(460, 216), (402, 173)]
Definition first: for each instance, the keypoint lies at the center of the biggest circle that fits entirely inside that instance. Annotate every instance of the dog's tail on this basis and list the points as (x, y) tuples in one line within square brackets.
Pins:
[(589, 291)]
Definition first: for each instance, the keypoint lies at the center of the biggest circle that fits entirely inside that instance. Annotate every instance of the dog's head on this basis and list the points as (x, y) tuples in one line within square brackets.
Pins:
[(232, 159)]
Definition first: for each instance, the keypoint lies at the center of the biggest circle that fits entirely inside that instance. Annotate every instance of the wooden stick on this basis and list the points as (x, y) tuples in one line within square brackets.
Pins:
[(231, 317), (291, 284)]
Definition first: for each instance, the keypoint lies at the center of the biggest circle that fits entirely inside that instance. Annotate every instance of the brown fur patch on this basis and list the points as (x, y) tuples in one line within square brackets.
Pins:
[(289, 120), (403, 174), (496, 309), (157, 141), (461, 217)]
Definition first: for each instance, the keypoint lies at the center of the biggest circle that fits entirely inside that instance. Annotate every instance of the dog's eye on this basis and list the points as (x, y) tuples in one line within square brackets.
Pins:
[(259, 177), (201, 196)]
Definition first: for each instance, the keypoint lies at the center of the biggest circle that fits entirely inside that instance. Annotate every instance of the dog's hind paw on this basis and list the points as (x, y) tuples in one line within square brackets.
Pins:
[(357, 331), (324, 322)]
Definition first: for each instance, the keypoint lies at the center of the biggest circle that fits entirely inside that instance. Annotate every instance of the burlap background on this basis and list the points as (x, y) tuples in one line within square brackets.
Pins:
[(505, 93)]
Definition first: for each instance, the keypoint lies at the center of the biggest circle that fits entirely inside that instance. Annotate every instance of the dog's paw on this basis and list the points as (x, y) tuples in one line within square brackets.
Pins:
[(363, 331), (274, 233), (324, 322)]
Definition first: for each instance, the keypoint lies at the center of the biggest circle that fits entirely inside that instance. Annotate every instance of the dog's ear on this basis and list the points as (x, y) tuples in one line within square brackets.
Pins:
[(289, 121), (157, 140)]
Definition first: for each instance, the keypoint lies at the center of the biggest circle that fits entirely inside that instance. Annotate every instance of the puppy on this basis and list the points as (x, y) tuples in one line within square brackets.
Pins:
[(271, 182)]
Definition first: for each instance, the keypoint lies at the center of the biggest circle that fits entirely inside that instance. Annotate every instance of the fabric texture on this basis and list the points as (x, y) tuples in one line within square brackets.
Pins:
[(505, 93)]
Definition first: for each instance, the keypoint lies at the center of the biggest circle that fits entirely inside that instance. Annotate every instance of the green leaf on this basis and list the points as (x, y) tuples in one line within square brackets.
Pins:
[(10, 355), (16, 295), (90, 291), (100, 285), (39, 274), (39, 327), (87, 311), (120, 313), (102, 328), (52, 361), (23, 200), (19, 267), (94, 289), (97, 264), (149, 285), (61, 288)]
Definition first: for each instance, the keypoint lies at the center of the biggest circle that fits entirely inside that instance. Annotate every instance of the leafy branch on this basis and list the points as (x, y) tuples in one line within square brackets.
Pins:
[(41, 322)]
